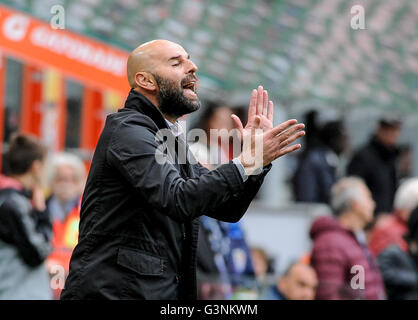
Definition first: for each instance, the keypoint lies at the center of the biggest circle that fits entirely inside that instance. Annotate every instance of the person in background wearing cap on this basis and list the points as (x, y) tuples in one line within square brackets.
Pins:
[(376, 163), (399, 268)]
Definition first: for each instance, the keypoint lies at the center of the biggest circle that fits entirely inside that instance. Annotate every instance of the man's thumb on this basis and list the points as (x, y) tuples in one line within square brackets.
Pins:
[(237, 122)]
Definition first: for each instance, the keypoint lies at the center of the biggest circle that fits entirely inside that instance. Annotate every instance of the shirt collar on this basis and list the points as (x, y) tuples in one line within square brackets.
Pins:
[(175, 128)]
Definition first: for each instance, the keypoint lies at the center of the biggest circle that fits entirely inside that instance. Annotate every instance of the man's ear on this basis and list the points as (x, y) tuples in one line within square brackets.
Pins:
[(145, 80), (36, 166), (355, 205), (37, 169)]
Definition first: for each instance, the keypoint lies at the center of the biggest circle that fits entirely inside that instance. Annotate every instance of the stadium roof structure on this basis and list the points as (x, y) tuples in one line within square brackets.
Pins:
[(300, 50)]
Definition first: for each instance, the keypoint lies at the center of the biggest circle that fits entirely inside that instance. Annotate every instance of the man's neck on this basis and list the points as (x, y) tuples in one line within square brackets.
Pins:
[(170, 118), (25, 180), (350, 221), (153, 99)]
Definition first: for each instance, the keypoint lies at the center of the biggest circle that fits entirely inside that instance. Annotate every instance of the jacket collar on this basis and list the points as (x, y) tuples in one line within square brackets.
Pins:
[(139, 102), (387, 153)]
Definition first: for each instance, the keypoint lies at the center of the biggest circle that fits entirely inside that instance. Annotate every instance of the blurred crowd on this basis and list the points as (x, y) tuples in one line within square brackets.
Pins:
[(367, 248)]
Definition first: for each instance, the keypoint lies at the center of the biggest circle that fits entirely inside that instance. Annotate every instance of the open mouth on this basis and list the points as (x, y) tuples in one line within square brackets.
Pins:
[(190, 88), (191, 85)]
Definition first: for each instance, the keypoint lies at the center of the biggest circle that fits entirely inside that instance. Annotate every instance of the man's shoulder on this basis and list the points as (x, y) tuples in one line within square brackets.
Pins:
[(12, 200), (128, 125), (363, 152), (130, 119), (334, 241)]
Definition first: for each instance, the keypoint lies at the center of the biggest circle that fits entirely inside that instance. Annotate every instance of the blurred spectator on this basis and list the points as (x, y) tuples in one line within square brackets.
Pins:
[(390, 229), (405, 162), (263, 267), (25, 227), (223, 260), (214, 152), (66, 177), (262, 263), (339, 245), (299, 282), (399, 268), (212, 274), (223, 257), (376, 163), (317, 169), (312, 130)]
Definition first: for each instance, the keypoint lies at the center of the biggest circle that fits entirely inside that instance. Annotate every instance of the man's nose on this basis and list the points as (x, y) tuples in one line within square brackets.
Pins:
[(192, 68)]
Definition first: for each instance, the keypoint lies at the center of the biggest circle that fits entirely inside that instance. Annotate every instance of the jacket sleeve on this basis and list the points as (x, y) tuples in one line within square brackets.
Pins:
[(329, 265), (306, 182), (233, 209), (133, 150), (28, 230), (392, 266)]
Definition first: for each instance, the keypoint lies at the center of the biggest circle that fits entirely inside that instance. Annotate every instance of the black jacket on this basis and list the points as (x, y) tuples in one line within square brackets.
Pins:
[(138, 227), (376, 164), (23, 227), (399, 272), (315, 175)]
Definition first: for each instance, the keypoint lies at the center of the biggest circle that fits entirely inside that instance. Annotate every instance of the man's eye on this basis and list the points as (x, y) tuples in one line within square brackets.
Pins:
[(176, 64)]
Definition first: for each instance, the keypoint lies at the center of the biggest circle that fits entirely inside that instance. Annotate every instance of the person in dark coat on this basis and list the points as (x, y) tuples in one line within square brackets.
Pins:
[(25, 224), (376, 163), (399, 268), (138, 227), (317, 170), (345, 267)]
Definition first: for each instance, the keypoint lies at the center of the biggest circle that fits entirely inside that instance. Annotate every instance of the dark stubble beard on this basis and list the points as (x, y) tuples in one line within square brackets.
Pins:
[(171, 99)]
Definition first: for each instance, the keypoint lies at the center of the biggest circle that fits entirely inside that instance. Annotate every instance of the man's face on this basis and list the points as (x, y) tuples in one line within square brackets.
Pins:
[(66, 185), (300, 284), (389, 135), (177, 82), (365, 205)]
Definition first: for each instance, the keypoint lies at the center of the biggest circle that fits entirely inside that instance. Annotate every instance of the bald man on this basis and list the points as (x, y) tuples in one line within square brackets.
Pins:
[(299, 282), (138, 227)]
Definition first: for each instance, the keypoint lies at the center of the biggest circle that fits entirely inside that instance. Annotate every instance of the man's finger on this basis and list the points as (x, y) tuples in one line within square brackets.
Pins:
[(271, 110), (291, 139), (287, 133), (281, 127), (252, 109), (265, 102), (237, 123), (260, 100), (289, 150)]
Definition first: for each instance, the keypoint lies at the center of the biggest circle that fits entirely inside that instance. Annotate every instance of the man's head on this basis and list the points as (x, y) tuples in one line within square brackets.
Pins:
[(334, 135), (260, 262), (66, 176), (388, 131), (162, 71), (412, 235), (26, 157), (299, 282), (351, 196), (406, 198)]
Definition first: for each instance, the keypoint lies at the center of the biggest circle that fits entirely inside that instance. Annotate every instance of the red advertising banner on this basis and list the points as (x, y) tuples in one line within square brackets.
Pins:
[(91, 62)]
